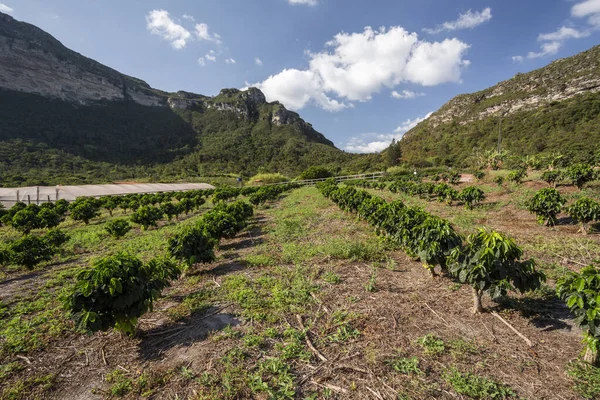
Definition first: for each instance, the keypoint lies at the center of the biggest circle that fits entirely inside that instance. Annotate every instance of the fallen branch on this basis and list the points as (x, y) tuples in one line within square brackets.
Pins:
[(27, 360), (529, 343), (308, 342), (329, 386)]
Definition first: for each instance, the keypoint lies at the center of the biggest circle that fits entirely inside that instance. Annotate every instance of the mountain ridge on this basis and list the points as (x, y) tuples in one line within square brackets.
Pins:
[(552, 106)]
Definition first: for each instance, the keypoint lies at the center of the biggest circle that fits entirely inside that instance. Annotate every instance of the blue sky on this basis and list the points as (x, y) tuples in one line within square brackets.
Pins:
[(362, 72)]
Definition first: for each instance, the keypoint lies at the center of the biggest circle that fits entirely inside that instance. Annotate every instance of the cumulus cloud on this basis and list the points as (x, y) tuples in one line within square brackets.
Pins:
[(518, 59), (5, 9), (353, 67), (160, 23), (188, 17), (211, 56), (230, 61), (406, 94), (258, 61), (305, 2), (376, 142), (588, 8), (468, 20)]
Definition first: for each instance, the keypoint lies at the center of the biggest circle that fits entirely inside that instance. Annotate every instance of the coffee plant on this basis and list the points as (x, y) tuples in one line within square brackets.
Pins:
[(118, 290), (581, 291), (584, 211), (580, 174), (546, 204), (470, 196), (491, 263), (117, 228), (147, 216)]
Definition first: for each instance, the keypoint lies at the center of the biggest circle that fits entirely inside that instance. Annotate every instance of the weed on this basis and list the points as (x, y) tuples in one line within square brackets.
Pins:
[(475, 386), (586, 378), (121, 384), (274, 378), (370, 286), (331, 277), (432, 344), (406, 366), (259, 260)]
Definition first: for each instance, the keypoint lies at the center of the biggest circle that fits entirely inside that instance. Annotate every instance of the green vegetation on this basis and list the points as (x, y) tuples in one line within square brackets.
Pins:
[(584, 211), (546, 204), (581, 291), (475, 386)]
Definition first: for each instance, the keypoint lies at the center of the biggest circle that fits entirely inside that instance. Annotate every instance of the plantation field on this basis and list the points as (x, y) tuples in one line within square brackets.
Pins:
[(306, 302)]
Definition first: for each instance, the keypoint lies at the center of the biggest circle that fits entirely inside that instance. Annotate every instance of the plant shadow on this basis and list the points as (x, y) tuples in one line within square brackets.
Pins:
[(547, 312)]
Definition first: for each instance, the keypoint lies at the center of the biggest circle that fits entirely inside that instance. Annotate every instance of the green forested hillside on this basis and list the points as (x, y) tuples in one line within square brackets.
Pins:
[(555, 108), (49, 141)]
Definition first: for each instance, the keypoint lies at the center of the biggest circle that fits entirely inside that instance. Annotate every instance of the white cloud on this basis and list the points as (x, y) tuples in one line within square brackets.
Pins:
[(202, 61), (306, 2), (188, 17), (563, 33), (547, 49), (361, 64), (230, 61), (518, 59), (468, 20), (586, 8), (410, 123), (376, 142), (406, 94), (202, 33), (258, 61), (211, 56), (159, 23), (5, 9)]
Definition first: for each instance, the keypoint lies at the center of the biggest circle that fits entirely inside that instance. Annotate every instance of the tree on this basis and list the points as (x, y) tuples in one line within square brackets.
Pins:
[(118, 290), (580, 174), (84, 209), (517, 176), (490, 263), (551, 177), (220, 224), (147, 216), (117, 228), (393, 154), (470, 196), (30, 250), (55, 238), (581, 291), (584, 211), (546, 204), (61, 207), (109, 203), (315, 173), (170, 210)]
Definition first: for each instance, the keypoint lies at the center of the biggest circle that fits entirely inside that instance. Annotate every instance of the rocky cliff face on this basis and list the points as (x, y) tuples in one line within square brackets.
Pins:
[(32, 61), (561, 80)]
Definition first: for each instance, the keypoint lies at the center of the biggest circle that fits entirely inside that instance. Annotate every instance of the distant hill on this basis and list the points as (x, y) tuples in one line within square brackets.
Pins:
[(69, 119), (555, 108)]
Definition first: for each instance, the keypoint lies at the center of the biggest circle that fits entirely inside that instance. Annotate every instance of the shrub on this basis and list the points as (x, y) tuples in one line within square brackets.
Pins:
[(580, 174), (85, 209), (315, 173), (479, 175), (224, 194), (117, 290), (546, 204), (517, 176), (470, 196), (551, 177), (584, 211), (30, 250), (269, 178), (26, 220), (476, 387), (581, 291), (435, 239), (490, 263), (147, 216), (499, 180), (55, 238), (170, 210), (117, 228), (220, 224), (61, 207), (48, 217), (191, 245)]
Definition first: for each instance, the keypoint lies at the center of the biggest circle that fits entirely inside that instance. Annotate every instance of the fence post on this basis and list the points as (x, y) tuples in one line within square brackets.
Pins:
[(28, 199), (37, 190), (17, 196)]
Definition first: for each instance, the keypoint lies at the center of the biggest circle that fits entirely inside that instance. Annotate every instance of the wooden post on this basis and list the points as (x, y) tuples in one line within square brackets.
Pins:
[(17, 196), (56, 194), (37, 190), (28, 199)]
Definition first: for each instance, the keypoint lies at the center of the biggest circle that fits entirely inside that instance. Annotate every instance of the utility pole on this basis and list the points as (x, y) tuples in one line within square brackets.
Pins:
[(500, 133)]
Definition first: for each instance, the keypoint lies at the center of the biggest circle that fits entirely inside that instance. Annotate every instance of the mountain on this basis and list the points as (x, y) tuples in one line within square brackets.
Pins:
[(555, 108), (69, 119)]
